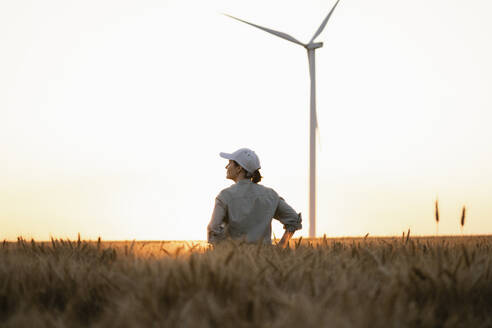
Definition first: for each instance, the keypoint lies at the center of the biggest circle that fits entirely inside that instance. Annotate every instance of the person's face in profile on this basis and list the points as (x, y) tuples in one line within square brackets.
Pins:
[(233, 170)]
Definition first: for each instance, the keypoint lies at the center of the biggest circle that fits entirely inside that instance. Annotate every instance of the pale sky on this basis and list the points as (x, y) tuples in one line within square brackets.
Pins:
[(113, 113)]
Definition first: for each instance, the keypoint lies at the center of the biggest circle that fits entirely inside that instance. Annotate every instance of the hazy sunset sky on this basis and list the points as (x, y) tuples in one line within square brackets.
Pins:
[(113, 113)]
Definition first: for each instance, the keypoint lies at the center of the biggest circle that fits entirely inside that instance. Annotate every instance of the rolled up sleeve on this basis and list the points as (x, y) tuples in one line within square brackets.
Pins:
[(287, 216), (216, 227)]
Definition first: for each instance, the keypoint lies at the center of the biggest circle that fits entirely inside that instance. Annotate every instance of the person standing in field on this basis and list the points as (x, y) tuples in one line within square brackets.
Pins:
[(245, 210)]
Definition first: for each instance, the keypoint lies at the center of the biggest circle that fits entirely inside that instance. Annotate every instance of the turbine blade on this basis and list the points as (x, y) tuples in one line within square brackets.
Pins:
[(323, 24), (277, 33)]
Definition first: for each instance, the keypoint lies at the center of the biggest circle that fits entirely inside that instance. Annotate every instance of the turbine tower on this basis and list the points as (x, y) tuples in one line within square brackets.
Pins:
[(313, 125)]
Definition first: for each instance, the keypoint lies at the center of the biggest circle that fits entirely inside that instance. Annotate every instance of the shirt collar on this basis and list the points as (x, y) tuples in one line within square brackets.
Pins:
[(243, 181)]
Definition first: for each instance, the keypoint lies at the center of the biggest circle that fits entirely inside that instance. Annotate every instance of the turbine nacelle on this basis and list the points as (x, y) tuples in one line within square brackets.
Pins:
[(312, 46)]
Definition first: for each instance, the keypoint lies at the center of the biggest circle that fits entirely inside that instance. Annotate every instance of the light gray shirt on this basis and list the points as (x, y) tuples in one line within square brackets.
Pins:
[(245, 210)]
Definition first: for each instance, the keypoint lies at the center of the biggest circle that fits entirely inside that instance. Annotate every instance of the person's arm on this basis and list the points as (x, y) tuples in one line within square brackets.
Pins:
[(291, 220), (215, 229), (285, 239)]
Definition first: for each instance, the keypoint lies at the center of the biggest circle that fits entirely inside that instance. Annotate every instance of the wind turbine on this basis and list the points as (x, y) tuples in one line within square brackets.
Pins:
[(313, 125)]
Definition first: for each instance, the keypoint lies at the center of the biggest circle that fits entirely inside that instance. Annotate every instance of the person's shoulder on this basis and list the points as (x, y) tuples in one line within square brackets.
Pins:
[(266, 189), (226, 193)]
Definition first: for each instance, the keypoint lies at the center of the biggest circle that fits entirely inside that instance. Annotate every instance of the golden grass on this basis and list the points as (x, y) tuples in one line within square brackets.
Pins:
[(344, 282)]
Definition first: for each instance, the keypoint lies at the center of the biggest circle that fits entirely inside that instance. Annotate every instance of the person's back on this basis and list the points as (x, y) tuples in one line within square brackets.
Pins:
[(245, 209)]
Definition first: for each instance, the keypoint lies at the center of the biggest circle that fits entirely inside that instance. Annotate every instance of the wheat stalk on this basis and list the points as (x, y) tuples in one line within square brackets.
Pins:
[(437, 216), (462, 222)]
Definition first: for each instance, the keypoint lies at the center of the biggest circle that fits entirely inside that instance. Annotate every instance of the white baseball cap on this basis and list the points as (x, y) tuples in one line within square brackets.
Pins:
[(244, 157)]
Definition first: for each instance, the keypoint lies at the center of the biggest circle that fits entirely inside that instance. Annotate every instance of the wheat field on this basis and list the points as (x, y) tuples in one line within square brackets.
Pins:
[(344, 282)]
